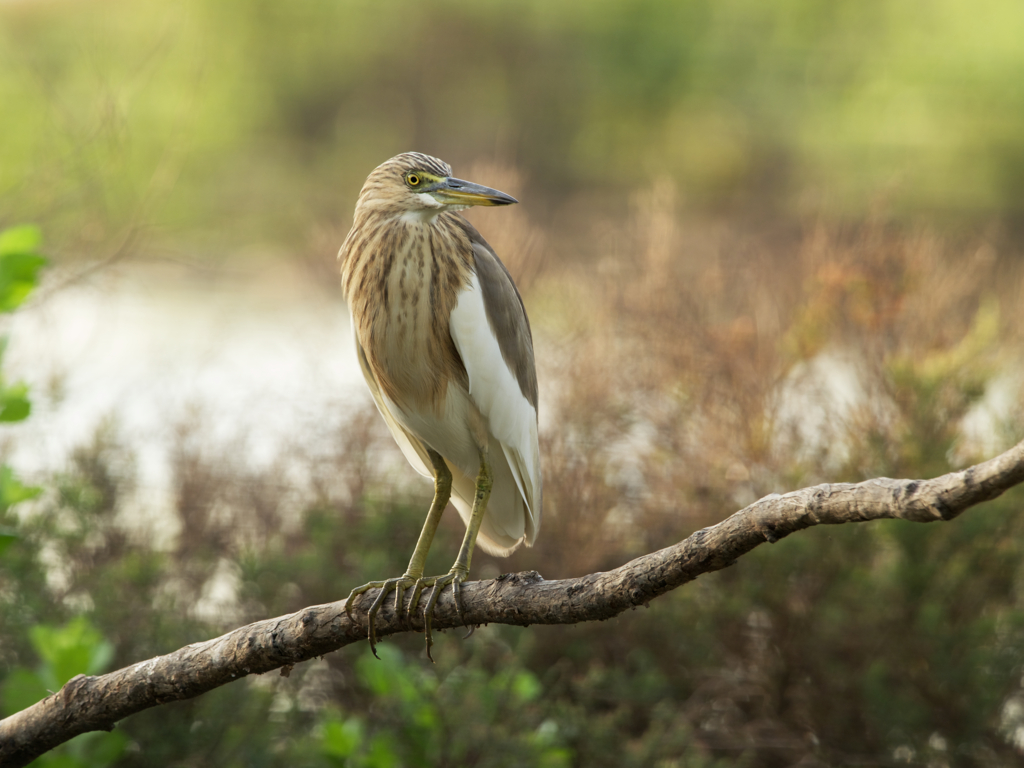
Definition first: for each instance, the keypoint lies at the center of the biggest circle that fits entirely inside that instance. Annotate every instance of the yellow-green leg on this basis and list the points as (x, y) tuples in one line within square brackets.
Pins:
[(413, 576), (460, 570)]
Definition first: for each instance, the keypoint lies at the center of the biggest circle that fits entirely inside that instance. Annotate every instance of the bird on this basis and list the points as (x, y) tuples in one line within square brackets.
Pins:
[(445, 346)]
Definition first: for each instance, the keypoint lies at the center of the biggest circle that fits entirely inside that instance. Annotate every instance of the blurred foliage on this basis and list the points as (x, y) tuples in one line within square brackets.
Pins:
[(20, 263), (234, 123), (694, 368), (883, 643), (76, 648), (12, 491)]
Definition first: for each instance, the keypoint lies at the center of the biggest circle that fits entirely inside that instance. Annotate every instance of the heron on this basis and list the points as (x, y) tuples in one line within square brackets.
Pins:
[(446, 349)]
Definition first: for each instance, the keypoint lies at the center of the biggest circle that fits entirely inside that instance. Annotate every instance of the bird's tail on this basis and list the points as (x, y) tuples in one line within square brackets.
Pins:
[(509, 521)]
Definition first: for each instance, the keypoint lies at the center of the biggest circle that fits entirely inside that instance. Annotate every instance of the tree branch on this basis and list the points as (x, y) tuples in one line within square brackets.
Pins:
[(97, 703)]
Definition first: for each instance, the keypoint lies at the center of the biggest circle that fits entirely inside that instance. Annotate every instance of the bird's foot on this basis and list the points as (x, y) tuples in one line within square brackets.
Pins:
[(455, 577), (398, 585)]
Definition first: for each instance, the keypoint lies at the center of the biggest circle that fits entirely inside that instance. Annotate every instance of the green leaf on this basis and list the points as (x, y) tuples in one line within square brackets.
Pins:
[(19, 265), (12, 490), (7, 537), (14, 403), (108, 749), (381, 753), (96, 749), (342, 739), (386, 677), (18, 276), (26, 238), (22, 689), (526, 686), (59, 760), (77, 648), (100, 658)]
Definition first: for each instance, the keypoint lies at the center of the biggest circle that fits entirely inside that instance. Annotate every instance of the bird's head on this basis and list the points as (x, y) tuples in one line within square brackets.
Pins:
[(420, 187)]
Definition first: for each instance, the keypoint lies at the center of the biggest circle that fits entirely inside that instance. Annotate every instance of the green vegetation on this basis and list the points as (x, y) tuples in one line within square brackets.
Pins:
[(20, 263), (732, 211), (74, 649), (849, 645), (223, 124)]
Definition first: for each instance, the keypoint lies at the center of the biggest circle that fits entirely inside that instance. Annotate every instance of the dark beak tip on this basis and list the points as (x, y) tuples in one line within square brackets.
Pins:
[(491, 196)]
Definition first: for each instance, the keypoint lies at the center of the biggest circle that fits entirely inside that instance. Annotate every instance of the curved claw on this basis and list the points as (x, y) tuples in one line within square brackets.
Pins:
[(398, 585), (453, 577)]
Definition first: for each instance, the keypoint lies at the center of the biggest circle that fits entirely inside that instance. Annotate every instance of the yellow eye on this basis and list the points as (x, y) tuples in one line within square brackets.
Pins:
[(412, 179)]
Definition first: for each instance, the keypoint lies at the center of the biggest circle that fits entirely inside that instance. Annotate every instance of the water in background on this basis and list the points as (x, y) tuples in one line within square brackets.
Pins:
[(263, 354)]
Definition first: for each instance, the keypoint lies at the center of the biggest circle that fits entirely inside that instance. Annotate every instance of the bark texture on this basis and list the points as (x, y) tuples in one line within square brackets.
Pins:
[(97, 703)]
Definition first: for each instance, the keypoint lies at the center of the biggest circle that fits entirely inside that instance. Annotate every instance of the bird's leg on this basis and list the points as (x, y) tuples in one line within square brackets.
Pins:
[(442, 493), (460, 570), (413, 576)]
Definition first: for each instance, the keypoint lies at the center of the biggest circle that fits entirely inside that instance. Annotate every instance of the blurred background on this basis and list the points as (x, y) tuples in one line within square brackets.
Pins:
[(762, 246)]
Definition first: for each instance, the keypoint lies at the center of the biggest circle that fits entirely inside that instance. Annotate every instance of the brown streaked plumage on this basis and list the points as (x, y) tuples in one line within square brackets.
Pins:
[(445, 346), (396, 296)]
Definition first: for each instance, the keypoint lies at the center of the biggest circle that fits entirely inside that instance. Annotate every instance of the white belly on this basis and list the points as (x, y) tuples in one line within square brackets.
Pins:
[(507, 521)]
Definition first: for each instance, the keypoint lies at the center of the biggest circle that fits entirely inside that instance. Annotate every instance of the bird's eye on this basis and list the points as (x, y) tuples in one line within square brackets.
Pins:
[(412, 180)]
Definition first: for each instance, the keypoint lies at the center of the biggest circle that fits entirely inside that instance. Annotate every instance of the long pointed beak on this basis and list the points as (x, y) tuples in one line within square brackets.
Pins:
[(458, 192)]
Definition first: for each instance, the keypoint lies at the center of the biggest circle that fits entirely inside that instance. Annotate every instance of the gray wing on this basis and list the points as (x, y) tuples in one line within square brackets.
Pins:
[(505, 313), (491, 331)]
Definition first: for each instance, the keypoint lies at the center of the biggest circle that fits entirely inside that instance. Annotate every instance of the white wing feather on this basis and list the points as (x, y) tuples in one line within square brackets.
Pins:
[(495, 391)]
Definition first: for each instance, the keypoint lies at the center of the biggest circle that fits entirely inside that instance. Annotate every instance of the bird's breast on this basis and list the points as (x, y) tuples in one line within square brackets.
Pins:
[(402, 312)]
